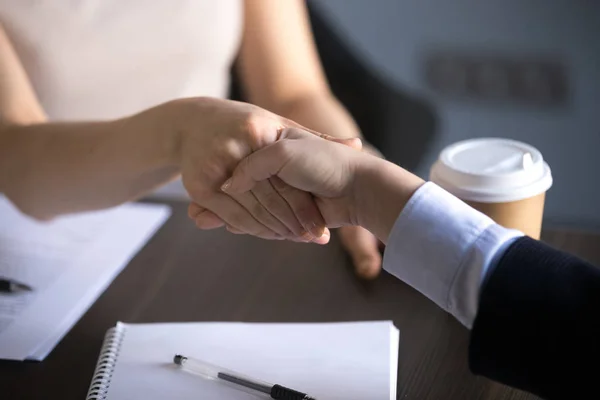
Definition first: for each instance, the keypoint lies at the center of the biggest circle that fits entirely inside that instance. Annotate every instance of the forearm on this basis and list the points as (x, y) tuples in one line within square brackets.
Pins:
[(55, 168), (324, 113), (320, 112)]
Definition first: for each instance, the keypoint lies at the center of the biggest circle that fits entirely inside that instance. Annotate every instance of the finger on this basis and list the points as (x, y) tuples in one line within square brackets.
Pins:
[(204, 219), (236, 216), (278, 206), (249, 201), (208, 220), (364, 250), (295, 133), (194, 210), (324, 238), (258, 166), (234, 230), (303, 206), (352, 142), (355, 143)]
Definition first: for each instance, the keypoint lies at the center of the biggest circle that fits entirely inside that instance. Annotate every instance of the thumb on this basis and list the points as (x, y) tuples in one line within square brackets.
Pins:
[(300, 132), (258, 166)]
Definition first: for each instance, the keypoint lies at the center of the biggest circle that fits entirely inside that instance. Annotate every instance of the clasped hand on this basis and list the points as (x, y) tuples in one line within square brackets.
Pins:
[(217, 135), (303, 161)]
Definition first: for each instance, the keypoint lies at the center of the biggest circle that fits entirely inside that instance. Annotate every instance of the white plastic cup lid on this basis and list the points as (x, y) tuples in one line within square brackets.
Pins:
[(491, 170)]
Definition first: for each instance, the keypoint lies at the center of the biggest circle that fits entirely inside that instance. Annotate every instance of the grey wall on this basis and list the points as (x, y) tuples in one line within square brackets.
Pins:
[(390, 35)]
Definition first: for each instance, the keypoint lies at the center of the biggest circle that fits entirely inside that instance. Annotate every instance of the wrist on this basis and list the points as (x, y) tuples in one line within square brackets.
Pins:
[(381, 190), (157, 133), (150, 148)]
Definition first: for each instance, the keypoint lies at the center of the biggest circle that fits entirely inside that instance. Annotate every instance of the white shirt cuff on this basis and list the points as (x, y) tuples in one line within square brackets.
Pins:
[(442, 247)]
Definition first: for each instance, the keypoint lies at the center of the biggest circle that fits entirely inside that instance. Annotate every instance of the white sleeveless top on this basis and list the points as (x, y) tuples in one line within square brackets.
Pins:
[(99, 59)]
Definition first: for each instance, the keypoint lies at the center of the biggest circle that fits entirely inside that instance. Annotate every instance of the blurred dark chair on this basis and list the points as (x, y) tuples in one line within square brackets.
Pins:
[(400, 126)]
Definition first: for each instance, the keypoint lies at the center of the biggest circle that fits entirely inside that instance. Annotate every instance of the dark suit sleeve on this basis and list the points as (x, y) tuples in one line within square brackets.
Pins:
[(538, 323)]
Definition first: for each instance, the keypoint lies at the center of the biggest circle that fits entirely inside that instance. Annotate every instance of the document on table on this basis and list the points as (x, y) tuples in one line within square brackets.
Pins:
[(68, 262)]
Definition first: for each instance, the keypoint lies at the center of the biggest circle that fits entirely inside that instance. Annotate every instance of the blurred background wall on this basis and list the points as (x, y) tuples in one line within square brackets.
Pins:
[(393, 39), (378, 57)]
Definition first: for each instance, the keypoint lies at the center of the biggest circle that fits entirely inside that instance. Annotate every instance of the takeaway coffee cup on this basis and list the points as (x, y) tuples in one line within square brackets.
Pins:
[(505, 179)]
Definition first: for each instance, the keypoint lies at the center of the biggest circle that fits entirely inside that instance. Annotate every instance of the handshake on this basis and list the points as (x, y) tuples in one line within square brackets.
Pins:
[(288, 182)]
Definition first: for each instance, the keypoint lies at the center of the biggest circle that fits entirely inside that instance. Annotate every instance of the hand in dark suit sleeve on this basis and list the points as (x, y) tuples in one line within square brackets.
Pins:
[(538, 323)]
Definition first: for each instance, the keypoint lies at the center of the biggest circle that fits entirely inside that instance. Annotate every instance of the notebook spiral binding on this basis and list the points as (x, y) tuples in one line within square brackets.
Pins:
[(106, 363)]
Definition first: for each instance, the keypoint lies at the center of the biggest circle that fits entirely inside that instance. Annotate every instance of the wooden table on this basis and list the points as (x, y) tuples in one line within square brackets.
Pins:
[(187, 275)]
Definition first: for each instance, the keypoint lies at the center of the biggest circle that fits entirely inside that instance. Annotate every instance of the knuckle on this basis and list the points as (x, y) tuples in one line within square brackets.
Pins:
[(252, 127), (231, 151), (211, 176)]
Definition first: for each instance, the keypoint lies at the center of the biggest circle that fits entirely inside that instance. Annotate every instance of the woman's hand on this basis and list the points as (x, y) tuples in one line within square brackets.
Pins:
[(214, 136)]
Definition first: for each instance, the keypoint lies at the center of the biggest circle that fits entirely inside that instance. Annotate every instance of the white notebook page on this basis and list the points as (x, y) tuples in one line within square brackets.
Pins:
[(349, 361)]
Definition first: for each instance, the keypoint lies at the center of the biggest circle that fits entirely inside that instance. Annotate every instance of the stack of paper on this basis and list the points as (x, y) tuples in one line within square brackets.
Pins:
[(68, 262)]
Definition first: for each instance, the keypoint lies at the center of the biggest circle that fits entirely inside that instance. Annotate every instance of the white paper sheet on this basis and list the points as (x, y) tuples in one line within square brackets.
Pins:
[(332, 361), (69, 262)]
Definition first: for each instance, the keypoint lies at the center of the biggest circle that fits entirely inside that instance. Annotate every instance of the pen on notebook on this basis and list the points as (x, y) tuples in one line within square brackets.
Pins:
[(274, 391), (12, 286)]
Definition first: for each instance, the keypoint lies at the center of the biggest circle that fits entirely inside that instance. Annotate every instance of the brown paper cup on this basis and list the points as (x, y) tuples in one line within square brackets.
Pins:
[(504, 179), (523, 215)]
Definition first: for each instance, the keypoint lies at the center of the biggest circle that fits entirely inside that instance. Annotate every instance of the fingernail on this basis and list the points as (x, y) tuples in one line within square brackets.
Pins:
[(316, 231), (325, 236), (226, 185)]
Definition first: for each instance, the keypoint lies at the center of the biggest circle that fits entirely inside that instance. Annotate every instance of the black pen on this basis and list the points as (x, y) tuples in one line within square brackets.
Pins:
[(12, 286), (251, 385)]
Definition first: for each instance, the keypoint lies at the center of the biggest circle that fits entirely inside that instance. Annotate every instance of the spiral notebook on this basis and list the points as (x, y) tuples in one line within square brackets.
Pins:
[(330, 361)]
